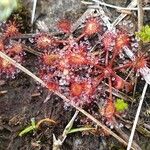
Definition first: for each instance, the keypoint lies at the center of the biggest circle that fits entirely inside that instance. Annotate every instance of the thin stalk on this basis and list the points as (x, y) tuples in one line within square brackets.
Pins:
[(135, 84), (113, 57), (99, 79), (81, 36), (106, 57), (129, 74), (123, 67), (110, 88), (137, 116)]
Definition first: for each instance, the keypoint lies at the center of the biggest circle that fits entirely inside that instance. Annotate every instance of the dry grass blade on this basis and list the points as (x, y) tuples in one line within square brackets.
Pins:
[(140, 14), (58, 143), (119, 94), (4, 56), (140, 24), (33, 11), (125, 136), (30, 50), (122, 16), (145, 72), (137, 116), (69, 125), (114, 6), (47, 120)]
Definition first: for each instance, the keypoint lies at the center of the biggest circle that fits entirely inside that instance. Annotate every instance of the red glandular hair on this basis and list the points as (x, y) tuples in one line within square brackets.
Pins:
[(15, 51), (64, 25), (141, 60), (7, 70), (122, 40), (1, 45), (59, 69), (11, 29), (44, 41), (92, 26)]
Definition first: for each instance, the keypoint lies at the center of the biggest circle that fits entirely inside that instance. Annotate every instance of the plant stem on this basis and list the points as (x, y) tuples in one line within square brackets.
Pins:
[(106, 57), (110, 88), (123, 67)]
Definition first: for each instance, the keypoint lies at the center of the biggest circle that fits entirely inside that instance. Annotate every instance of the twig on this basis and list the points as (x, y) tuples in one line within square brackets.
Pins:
[(30, 50), (115, 7), (140, 14), (137, 116), (140, 127), (3, 92), (122, 16), (23, 36), (125, 137), (32, 35), (13, 62)]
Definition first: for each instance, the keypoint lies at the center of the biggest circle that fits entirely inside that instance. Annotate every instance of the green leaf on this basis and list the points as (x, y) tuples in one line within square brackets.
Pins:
[(120, 105), (26, 130), (29, 128), (33, 122), (80, 129), (144, 34)]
